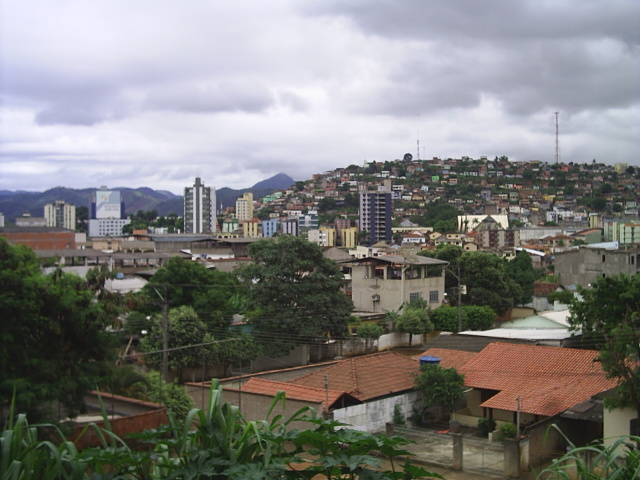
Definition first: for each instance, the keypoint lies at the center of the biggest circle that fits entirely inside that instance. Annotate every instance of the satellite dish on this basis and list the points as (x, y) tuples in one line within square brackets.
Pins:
[(407, 157)]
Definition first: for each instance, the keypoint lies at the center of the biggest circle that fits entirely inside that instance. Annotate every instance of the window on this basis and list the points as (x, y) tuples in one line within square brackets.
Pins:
[(413, 297), (433, 296)]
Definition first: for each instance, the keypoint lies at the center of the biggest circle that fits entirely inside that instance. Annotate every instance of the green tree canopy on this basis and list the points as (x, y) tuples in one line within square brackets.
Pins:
[(369, 332), (608, 316), (53, 343), (521, 271), (213, 294), (294, 294), (414, 321), (440, 387), (184, 329)]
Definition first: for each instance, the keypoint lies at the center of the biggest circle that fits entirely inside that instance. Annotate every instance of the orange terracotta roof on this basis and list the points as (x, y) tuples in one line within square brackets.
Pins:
[(297, 392), (449, 358), (367, 376), (548, 380)]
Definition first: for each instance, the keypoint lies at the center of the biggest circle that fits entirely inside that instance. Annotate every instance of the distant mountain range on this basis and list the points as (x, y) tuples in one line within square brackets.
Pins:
[(15, 204)]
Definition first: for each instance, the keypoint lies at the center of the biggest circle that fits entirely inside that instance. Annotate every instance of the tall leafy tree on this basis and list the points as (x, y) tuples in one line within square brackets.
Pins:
[(294, 294), (487, 282), (608, 316), (440, 387), (521, 271), (185, 329), (182, 282), (414, 320), (53, 343)]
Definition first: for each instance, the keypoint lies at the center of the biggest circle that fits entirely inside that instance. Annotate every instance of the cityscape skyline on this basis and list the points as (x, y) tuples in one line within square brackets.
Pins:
[(156, 94)]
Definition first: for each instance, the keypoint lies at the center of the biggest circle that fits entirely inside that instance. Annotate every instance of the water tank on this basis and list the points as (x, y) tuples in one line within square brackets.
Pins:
[(429, 360)]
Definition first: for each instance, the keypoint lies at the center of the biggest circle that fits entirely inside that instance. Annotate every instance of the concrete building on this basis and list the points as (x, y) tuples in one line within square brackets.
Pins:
[(27, 221), (107, 216), (244, 207), (60, 214), (384, 283), (324, 236), (583, 265), (200, 209), (349, 237), (624, 231), (269, 227), (290, 226), (251, 228), (375, 216)]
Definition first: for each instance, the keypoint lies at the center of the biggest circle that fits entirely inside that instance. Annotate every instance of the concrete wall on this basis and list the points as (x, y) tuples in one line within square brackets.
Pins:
[(585, 265), (392, 292), (616, 423), (372, 416)]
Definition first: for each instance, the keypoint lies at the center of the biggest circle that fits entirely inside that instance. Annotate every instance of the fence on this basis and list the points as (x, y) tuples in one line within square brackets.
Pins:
[(430, 447)]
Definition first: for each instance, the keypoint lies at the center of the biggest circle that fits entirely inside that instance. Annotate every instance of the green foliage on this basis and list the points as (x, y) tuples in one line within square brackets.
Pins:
[(618, 461), (398, 416), (478, 318), (53, 344), (563, 296), (170, 394), (294, 294), (487, 281), (507, 430), (184, 282), (216, 442), (369, 332), (609, 318), (520, 270), (445, 318), (184, 329), (414, 321), (486, 425), (440, 386)]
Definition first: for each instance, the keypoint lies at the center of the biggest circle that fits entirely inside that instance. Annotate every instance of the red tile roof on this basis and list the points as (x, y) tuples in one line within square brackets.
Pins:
[(449, 358), (548, 380), (367, 376), (298, 392)]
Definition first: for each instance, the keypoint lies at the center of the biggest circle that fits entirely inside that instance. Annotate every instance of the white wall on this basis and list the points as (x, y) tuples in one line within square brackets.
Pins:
[(372, 416)]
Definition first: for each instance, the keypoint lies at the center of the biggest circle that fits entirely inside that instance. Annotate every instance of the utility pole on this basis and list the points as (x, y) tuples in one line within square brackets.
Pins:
[(165, 335)]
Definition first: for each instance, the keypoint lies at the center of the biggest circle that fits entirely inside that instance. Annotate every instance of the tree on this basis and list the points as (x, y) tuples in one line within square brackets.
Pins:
[(521, 271), (487, 281), (212, 294), (294, 294), (414, 321), (53, 341), (170, 394), (608, 316), (370, 332), (440, 387), (184, 329)]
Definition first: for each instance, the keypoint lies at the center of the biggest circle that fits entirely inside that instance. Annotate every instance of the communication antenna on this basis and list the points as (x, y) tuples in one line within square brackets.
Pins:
[(418, 150), (557, 144)]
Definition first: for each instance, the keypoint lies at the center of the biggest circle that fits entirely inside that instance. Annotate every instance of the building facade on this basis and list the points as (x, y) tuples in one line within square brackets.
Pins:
[(60, 214), (107, 215), (584, 265), (244, 207), (375, 216), (200, 208)]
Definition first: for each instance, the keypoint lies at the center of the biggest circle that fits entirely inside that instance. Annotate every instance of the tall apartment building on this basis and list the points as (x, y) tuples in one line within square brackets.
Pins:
[(200, 208), (60, 214), (244, 207), (106, 217), (375, 216)]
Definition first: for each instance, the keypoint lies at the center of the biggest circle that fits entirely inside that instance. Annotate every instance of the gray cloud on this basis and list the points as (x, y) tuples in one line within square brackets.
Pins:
[(156, 93)]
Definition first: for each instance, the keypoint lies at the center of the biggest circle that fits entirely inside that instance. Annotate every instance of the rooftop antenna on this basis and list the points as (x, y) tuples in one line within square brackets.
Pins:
[(557, 144), (418, 149)]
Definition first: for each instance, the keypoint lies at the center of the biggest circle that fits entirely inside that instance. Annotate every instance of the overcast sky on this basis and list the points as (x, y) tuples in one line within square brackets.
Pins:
[(154, 93)]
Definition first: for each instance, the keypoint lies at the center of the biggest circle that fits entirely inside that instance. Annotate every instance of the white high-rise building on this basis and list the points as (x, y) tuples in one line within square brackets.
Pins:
[(107, 214), (200, 208), (60, 214)]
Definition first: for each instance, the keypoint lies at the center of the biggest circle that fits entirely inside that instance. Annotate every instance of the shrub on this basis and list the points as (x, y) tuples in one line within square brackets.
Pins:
[(398, 416), (486, 425), (507, 430)]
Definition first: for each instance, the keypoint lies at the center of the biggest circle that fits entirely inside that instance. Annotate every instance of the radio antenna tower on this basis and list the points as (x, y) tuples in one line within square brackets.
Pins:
[(557, 144), (418, 150)]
